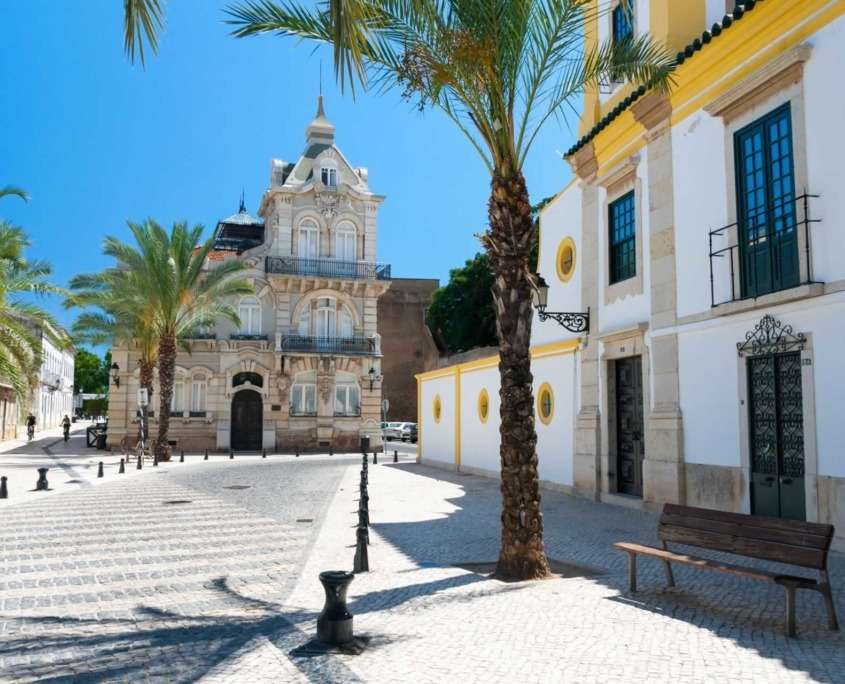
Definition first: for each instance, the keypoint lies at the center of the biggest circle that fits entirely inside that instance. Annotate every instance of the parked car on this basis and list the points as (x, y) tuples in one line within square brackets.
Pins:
[(392, 431), (409, 433)]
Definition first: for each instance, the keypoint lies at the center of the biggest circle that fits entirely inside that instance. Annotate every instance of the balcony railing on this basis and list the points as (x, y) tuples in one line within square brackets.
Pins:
[(327, 268), (328, 345), (768, 250), (246, 336), (200, 336)]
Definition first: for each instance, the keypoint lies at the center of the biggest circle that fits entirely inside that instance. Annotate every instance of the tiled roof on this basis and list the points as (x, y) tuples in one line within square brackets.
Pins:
[(683, 56)]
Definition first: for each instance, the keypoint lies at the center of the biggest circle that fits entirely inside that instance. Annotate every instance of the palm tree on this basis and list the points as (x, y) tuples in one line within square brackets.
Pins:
[(498, 69), (116, 315), (142, 21), (20, 279), (169, 273)]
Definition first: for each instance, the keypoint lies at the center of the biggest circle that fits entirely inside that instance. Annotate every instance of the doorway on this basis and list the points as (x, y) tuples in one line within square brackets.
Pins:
[(776, 434), (629, 425), (247, 421)]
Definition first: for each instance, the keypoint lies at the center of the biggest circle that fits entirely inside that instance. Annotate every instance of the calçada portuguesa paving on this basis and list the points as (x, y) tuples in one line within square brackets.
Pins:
[(207, 571)]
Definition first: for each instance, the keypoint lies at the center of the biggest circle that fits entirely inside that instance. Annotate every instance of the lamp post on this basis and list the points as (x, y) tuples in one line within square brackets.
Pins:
[(573, 321), (115, 378), (373, 377)]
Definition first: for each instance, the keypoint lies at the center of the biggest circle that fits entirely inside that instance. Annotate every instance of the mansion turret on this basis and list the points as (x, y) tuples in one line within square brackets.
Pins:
[(303, 371)]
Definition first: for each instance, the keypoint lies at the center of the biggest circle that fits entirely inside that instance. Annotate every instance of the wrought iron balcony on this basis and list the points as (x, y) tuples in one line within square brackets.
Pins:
[(328, 345), (327, 268), (246, 336), (200, 336), (768, 250)]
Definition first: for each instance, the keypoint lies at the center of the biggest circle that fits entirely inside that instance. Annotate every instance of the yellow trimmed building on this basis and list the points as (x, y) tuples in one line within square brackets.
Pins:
[(702, 232)]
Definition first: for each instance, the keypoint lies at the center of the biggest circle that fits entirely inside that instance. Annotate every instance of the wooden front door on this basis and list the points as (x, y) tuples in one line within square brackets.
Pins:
[(247, 421), (629, 425), (776, 433)]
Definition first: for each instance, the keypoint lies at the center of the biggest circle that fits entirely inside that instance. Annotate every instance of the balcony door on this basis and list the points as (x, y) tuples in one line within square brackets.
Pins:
[(768, 235), (309, 240)]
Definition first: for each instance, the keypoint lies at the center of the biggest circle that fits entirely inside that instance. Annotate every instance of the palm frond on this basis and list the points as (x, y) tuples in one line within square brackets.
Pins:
[(142, 22)]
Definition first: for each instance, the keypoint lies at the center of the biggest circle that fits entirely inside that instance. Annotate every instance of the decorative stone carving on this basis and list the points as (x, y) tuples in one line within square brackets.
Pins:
[(325, 387), (283, 384)]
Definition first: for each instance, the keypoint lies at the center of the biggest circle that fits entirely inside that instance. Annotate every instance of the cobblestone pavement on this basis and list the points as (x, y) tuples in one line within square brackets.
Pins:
[(114, 584), (159, 577)]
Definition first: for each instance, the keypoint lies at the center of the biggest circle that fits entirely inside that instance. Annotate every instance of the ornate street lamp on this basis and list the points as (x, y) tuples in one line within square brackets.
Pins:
[(115, 377), (573, 322)]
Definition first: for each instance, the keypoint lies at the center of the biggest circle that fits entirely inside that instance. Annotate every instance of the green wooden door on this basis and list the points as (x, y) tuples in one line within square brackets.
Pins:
[(768, 235), (776, 433)]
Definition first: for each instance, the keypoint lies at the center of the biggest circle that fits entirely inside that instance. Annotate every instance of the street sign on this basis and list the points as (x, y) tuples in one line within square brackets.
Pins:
[(143, 398), (385, 405)]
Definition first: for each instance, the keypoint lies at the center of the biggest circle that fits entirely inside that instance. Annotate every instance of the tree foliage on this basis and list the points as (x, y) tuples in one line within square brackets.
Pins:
[(461, 312), (90, 372)]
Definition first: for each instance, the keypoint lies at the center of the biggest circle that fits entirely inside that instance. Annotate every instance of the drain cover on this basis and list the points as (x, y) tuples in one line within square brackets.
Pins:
[(304, 520), (175, 502), (237, 486)]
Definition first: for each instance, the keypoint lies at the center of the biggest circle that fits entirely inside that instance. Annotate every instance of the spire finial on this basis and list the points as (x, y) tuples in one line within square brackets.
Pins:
[(242, 209)]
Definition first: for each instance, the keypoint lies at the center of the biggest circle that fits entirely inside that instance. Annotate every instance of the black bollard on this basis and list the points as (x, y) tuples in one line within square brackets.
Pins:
[(395, 456), (100, 469), (334, 625), (42, 485), (122, 469), (206, 455), (182, 456), (362, 560), (297, 452), (138, 467), (155, 459), (331, 451), (231, 455), (4, 490), (264, 453), (375, 458)]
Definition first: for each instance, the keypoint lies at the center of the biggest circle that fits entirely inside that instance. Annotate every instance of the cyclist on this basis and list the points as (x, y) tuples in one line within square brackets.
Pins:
[(30, 426), (66, 427)]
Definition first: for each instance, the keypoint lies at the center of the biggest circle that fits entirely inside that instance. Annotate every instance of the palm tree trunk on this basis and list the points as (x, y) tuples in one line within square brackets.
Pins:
[(146, 369), (522, 554), (166, 372)]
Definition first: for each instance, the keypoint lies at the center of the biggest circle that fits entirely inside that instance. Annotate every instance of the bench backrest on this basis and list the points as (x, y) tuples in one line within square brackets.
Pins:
[(786, 541)]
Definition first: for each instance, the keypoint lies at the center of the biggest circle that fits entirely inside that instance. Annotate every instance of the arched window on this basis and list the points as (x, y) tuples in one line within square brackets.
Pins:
[(309, 239), (347, 395), (305, 320), (177, 401), (344, 242), (325, 320), (249, 311), (253, 379), (303, 394), (199, 392)]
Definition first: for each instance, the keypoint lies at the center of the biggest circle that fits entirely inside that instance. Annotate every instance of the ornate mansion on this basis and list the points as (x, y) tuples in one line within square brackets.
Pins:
[(303, 371)]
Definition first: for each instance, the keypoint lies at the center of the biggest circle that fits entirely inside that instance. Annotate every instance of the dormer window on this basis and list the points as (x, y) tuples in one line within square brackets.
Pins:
[(328, 175)]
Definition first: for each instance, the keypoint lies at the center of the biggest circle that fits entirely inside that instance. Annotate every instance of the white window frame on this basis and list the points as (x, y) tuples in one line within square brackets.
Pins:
[(199, 394), (249, 311), (308, 239), (303, 395), (328, 175), (347, 396), (177, 400), (346, 233)]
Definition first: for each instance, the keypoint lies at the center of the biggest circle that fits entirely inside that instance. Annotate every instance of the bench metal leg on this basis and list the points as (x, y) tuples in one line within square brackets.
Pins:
[(670, 578), (790, 610), (632, 572), (824, 588)]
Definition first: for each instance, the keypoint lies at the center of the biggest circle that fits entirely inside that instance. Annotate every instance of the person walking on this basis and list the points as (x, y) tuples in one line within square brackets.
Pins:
[(30, 426)]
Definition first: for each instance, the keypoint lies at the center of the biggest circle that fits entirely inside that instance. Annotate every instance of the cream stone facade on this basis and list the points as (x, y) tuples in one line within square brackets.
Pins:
[(705, 225), (303, 371)]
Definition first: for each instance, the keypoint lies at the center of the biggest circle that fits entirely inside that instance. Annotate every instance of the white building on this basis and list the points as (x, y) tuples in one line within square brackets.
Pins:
[(703, 232), (52, 399)]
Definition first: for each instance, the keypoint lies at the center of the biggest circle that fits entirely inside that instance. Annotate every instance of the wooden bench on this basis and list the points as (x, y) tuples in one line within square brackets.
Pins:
[(803, 544)]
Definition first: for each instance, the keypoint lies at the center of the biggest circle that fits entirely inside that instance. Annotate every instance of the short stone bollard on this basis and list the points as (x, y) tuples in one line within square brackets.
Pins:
[(4, 489), (361, 563), (100, 470), (395, 456), (375, 458), (205, 458), (155, 459), (140, 463), (331, 451), (42, 485), (334, 626), (264, 453), (182, 456), (297, 452), (231, 455), (122, 469)]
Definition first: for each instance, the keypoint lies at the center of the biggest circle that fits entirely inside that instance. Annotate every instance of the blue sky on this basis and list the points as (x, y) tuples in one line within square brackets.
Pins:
[(96, 141)]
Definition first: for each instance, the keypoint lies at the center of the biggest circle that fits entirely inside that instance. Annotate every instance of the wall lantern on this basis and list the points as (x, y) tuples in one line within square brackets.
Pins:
[(116, 378), (373, 376), (573, 322)]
